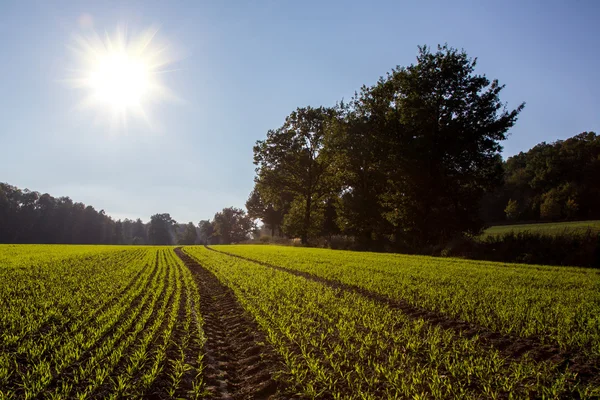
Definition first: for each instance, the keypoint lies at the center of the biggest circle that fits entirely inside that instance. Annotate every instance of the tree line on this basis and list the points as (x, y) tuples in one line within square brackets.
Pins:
[(550, 182), (31, 217)]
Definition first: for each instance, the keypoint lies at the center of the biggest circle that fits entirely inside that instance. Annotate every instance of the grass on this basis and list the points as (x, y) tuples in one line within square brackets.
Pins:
[(92, 321), (340, 344), (549, 228), (558, 305)]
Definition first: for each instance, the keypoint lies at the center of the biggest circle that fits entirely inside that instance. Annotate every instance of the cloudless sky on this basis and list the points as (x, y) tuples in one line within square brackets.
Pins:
[(241, 67)]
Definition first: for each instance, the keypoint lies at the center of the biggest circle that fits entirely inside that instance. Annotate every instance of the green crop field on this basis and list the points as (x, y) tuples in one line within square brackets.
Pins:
[(96, 321), (244, 321), (549, 228)]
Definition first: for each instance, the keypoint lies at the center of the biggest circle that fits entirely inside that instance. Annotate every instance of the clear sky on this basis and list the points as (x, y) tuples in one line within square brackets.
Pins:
[(240, 67)]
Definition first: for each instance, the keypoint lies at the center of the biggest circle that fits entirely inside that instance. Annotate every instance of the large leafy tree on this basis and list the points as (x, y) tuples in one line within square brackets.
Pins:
[(189, 234), (422, 146), (357, 137), (161, 228), (206, 231), (232, 225), (269, 213), (292, 162)]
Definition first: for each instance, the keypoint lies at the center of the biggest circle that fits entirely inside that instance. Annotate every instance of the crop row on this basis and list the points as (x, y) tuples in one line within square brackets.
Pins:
[(96, 324), (557, 306), (340, 344)]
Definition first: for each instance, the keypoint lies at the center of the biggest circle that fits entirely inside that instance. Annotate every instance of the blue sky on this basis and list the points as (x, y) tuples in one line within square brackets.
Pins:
[(241, 67)]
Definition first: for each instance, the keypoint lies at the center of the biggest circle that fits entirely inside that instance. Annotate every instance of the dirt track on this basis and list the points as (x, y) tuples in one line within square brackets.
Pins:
[(238, 362)]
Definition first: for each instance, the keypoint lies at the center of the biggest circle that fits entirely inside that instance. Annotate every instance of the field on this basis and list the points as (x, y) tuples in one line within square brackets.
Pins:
[(549, 228), (282, 322)]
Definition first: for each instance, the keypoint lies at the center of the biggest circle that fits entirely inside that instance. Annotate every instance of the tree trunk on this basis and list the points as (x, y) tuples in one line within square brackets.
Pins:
[(306, 226)]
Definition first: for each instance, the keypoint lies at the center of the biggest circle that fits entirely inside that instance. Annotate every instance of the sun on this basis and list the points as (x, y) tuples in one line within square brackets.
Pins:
[(120, 74), (120, 80)]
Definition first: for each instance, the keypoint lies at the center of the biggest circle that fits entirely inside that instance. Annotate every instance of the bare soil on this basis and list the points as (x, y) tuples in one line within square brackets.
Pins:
[(238, 362)]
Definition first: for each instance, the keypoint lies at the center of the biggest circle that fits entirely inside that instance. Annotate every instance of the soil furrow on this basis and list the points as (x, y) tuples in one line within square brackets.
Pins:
[(238, 364), (510, 346)]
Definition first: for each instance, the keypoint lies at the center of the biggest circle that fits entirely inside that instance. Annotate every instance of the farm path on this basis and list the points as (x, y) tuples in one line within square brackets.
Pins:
[(509, 346), (238, 364)]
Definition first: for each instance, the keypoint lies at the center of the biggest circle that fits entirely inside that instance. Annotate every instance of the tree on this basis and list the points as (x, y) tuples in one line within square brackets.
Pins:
[(441, 126), (559, 179), (118, 233), (189, 235), (271, 215), (512, 210), (232, 225), (206, 230), (291, 161), (139, 232), (358, 137), (161, 229)]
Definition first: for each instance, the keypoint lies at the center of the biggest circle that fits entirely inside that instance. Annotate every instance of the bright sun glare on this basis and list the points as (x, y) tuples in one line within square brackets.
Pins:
[(120, 80), (120, 73)]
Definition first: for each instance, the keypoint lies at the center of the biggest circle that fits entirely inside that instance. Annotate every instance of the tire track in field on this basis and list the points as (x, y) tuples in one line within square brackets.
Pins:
[(237, 363), (510, 346)]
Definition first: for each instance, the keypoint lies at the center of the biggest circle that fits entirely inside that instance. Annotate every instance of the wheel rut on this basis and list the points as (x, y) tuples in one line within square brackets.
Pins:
[(238, 364), (509, 346)]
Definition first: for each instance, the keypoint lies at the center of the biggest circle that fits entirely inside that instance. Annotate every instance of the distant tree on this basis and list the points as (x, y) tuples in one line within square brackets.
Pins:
[(550, 208), (139, 232), (512, 210), (232, 225), (207, 230), (30, 217), (557, 180), (189, 234), (118, 233), (292, 161), (270, 214), (571, 208), (160, 230)]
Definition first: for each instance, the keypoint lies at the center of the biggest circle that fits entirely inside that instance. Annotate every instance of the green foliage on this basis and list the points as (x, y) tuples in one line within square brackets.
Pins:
[(556, 180), (232, 225), (292, 164), (550, 209), (161, 229), (445, 124), (270, 213), (512, 210), (189, 234), (554, 228)]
